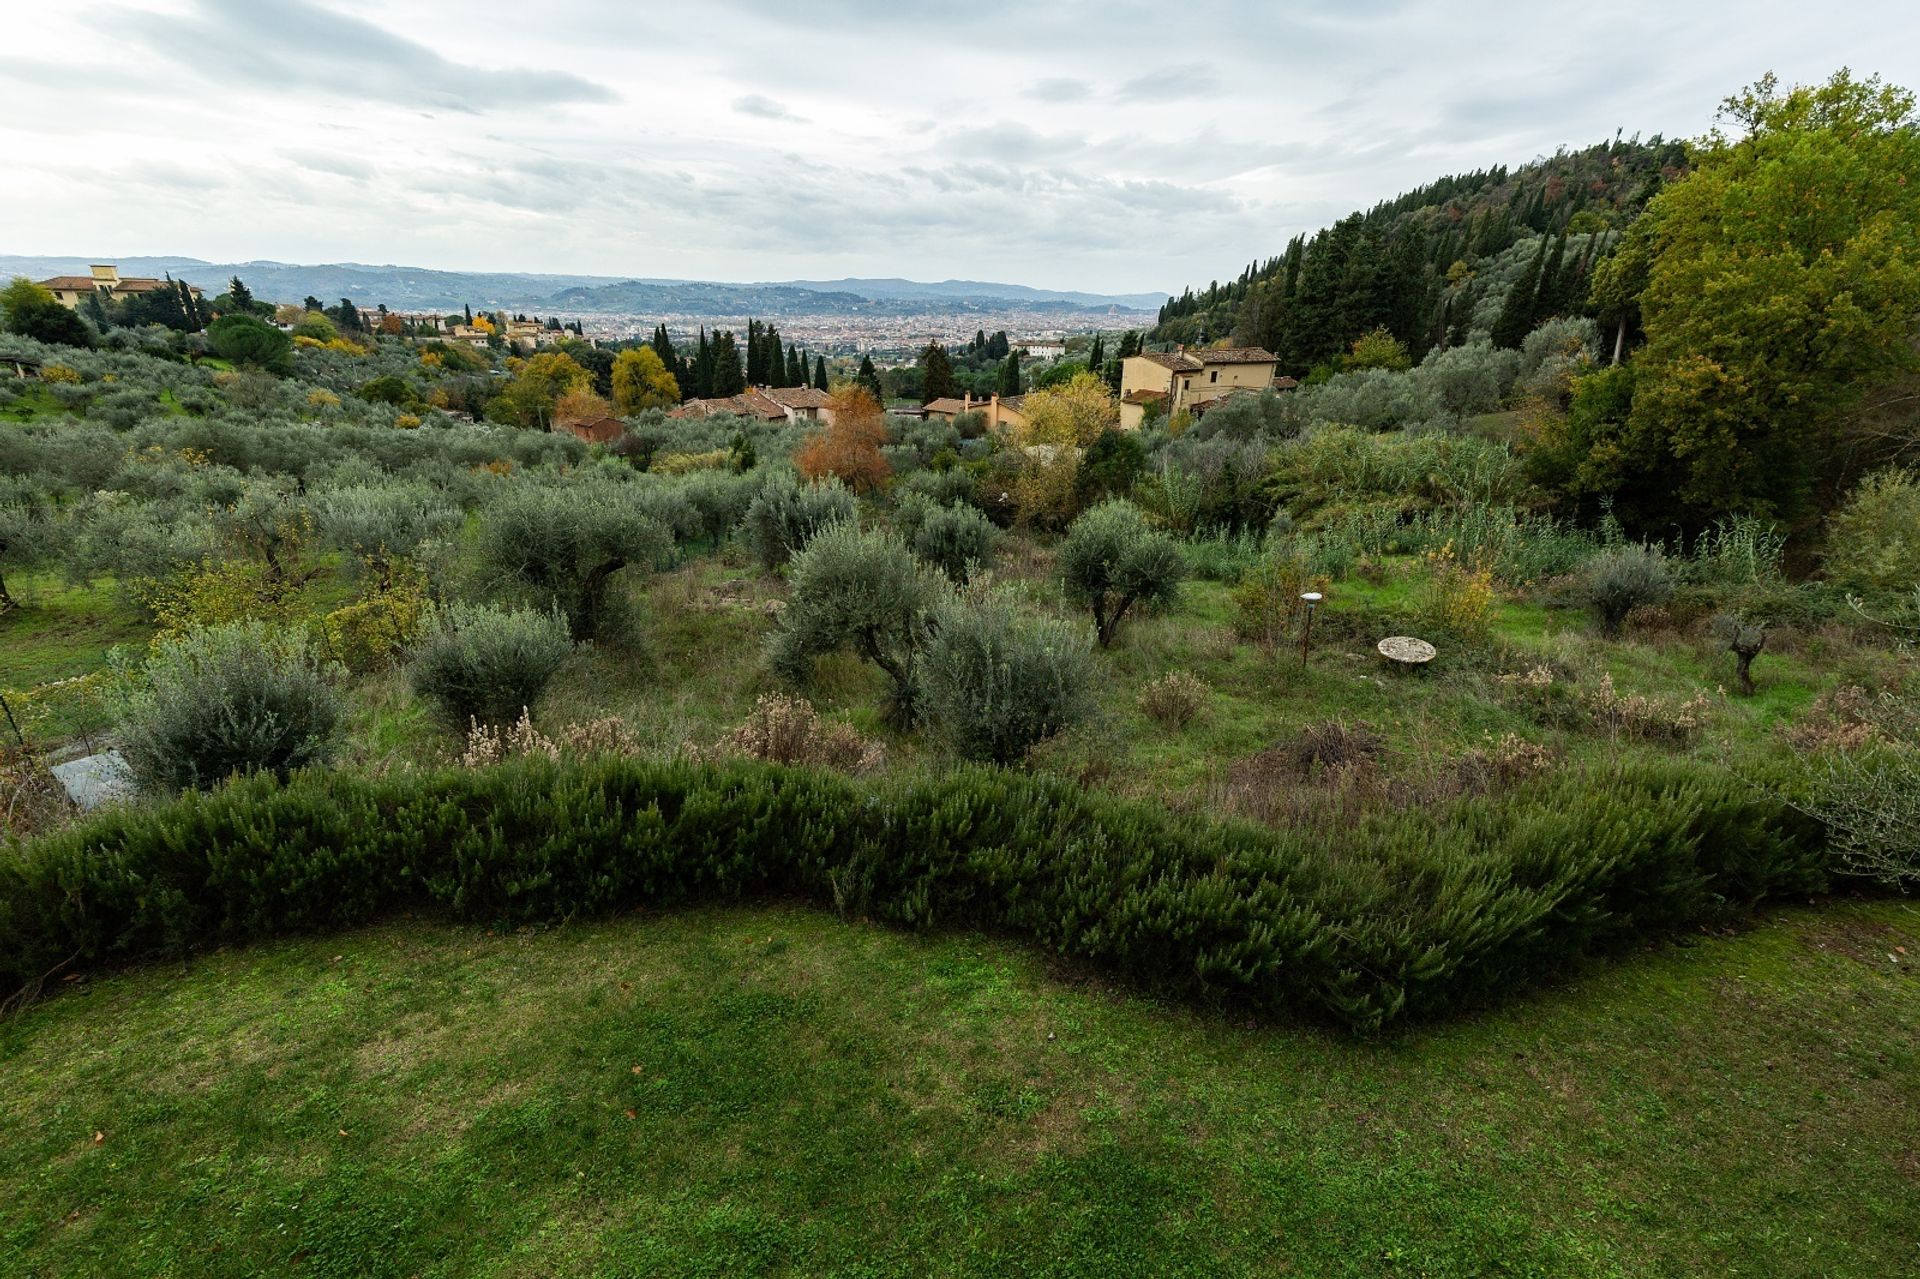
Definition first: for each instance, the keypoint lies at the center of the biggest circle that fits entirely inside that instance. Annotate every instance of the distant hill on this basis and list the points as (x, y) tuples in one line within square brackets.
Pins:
[(1436, 264), (405, 288), (977, 290)]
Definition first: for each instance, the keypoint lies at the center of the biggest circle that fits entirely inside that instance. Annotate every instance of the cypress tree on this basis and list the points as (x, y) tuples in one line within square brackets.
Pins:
[(870, 379), (189, 307), (703, 368), (936, 374), (1552, 280), (1010, 374), (1097, 357), (242, 296), (728, 377), (820, 372), (312, 307), (1516, 316), (796, 367)]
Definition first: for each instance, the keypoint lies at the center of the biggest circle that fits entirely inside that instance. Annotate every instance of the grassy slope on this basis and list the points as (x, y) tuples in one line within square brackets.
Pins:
[(766, 1089)]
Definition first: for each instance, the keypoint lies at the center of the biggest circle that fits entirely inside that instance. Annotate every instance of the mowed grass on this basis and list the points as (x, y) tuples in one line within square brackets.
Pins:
[(765, 1090)]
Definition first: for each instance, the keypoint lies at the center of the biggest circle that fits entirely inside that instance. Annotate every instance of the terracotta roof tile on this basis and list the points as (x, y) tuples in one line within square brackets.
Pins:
[(798, 397)]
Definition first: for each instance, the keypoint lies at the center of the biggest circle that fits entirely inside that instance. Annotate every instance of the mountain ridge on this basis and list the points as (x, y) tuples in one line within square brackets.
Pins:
[(403, 287)]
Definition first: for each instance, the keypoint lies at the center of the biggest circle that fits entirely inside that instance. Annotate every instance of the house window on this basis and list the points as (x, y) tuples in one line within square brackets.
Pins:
[(1213, 376)]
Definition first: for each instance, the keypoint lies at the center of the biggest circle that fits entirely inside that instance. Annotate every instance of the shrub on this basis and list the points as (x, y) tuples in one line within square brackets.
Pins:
[(1266, 604), (995, 685), (481, 664), (1174, 699), (248, 342), (785, 515), (1875, 536), (238, 698), (214, 592), (956, 540), (1868, 796), (1619, 580), (377, 629), (1400, 914), (860, 591), (1455, 598), (685, 463), (1111, 561)]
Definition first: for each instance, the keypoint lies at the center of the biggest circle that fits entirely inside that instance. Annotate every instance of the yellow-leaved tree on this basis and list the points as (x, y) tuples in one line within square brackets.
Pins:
[(641, 381), (1061, 422), (538, 385), (1071, 414)]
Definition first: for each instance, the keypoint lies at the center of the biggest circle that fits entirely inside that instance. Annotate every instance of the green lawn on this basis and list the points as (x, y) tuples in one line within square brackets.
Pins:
[(771, 1090), (33, 403)]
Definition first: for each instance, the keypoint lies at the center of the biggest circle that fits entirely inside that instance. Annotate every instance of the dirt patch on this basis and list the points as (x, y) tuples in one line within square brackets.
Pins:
[(1868, 941)]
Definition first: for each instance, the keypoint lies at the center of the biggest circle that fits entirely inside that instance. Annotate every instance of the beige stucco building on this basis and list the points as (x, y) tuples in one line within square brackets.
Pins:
[(1002, 412), (106, 282), (1187, 379)]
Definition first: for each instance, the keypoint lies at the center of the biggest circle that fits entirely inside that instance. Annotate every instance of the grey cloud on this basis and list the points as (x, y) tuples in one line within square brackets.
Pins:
[(764, 107), (1188, 80), (1010, 143), (343, 166), (295, 44), (1059, 89)]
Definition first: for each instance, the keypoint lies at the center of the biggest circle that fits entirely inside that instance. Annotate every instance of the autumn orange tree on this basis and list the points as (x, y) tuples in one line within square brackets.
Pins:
[(849, 445)]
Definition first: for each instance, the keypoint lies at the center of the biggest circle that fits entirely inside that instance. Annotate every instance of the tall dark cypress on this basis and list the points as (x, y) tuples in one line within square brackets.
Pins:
[(728, 377), (1517, 314), (936, 374), (703, 367), (1010, 374), (1552, 280), (796, 367), (820, 372), (869, 378)]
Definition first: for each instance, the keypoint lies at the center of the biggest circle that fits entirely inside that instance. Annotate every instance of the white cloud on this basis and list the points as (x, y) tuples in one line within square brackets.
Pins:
[(1112, 146)]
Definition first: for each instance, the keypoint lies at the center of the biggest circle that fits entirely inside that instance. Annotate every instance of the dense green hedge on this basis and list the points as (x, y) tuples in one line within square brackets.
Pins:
[(1401, 914)]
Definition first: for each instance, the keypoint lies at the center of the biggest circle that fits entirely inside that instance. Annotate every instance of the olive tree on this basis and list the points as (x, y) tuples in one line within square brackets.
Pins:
[(564, 543), (384, 522), (861, 591), (1111, 561)]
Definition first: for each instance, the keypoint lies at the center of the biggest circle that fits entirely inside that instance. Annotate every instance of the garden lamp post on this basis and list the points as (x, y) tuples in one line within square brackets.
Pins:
[(1306, 632)]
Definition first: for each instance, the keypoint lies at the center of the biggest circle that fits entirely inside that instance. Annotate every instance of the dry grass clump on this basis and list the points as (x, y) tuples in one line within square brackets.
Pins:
[(1174, 700), (32, 802), (788, 730), (487, 744), (1603, 708), (1842, 719)]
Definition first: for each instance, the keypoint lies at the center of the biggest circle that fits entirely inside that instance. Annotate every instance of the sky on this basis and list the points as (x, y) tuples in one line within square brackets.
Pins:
[(1117, 147)]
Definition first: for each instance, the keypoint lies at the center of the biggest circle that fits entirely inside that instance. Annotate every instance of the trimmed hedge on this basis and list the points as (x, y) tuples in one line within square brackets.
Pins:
[(1404, 914)]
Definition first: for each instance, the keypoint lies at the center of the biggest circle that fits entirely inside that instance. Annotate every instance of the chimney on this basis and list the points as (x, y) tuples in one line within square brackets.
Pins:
[(108, 274)]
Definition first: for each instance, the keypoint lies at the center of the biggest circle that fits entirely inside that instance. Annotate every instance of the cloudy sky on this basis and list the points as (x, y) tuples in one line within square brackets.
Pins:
[(1113, 147)]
